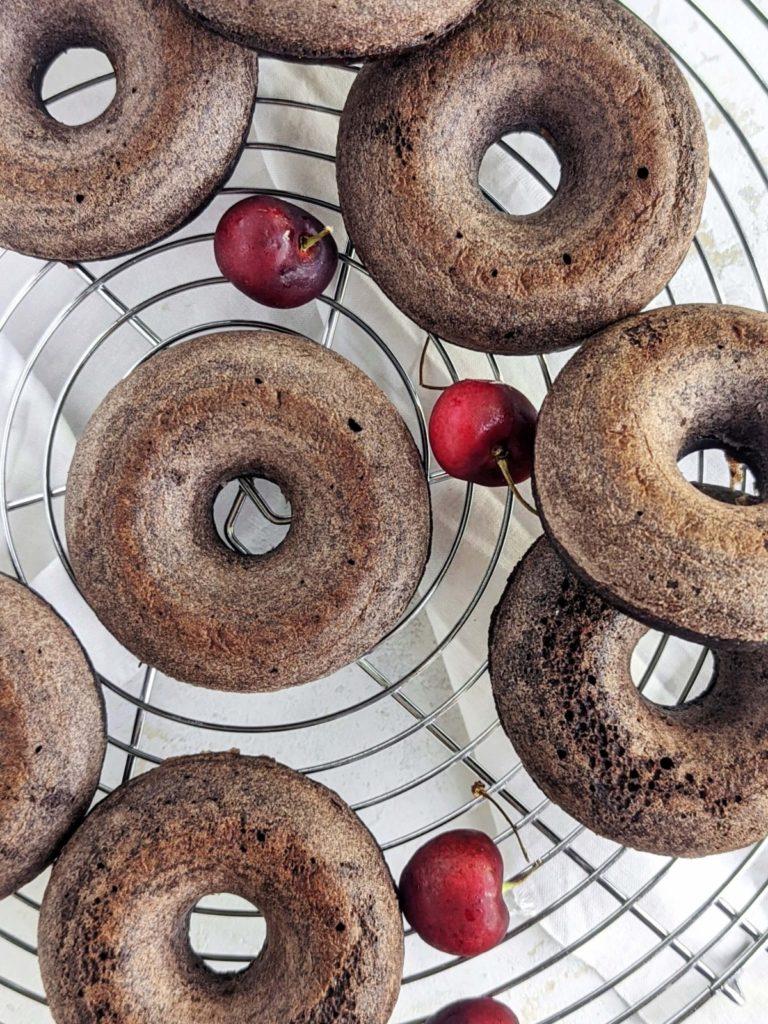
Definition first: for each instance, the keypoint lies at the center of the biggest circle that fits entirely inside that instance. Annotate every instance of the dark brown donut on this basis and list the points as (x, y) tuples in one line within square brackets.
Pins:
[(140, 496), (341, 29), (686, 781), (633, 401), (52, 734), (150, 161), (113, 934), (602, 88)]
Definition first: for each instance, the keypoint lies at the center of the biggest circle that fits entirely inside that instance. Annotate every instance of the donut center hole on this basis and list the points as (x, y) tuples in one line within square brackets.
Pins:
[(718, 467), (226, 932), (521, 172), (671, 672), (73, 68), (252, 516)]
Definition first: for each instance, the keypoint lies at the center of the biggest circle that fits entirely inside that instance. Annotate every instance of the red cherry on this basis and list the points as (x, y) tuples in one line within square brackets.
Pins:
[(270, 250), (451, 893), (471, 419), (474, 1011)]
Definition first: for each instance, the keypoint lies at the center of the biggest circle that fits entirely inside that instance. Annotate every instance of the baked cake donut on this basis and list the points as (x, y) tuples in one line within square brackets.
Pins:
[(52, 737), (169, 138), (139, 512), (632, 402), (682, 781), (113, 936), (342, 29), (596, 83)]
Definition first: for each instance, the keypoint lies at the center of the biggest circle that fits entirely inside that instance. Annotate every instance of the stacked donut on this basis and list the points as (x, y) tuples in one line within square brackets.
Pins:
[(638, 540)]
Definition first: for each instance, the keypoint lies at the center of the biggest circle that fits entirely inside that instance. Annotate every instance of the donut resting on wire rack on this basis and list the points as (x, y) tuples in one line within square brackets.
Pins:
[(114, 942), (595, 82), (169, 138), (685, 781), (52, 734), (340, 29), (139, 512)]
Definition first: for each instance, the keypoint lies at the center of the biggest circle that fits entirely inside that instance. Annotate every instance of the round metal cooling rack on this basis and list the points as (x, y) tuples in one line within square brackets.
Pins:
[(599, 933)]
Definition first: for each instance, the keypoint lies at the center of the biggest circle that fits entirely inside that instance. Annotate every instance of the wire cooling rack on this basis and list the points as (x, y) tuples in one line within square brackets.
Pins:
[(605, 935)]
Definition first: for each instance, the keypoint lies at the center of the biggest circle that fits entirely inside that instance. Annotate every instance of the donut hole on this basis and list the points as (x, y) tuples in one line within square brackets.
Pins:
[(722, 468), (252, 516), (226, 932), (72, 67), (524, 181), (671, 672)]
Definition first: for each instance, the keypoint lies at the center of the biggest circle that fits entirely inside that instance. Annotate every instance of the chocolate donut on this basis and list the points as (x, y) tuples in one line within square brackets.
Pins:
[(342, 29), (52, 734), (682, 781), (632, 402), (113, 936), (139, 512), (169, 138), (593, 80)]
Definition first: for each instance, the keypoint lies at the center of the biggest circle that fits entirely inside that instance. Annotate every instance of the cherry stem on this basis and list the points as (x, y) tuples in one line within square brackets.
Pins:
[(308, 242), (501, 455), (521, 876), (422, 364), (479, 790)]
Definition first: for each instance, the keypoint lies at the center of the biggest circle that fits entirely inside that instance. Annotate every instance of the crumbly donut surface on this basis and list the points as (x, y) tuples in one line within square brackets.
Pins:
[(171, 135), (52, 734), (688, 781), (114, 944), (596, 83), (141, 492)]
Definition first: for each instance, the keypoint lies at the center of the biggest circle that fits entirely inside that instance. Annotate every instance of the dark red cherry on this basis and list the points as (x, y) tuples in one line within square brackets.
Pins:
[(473, 421), (451, 893), (474, 1011), (275, 252)]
